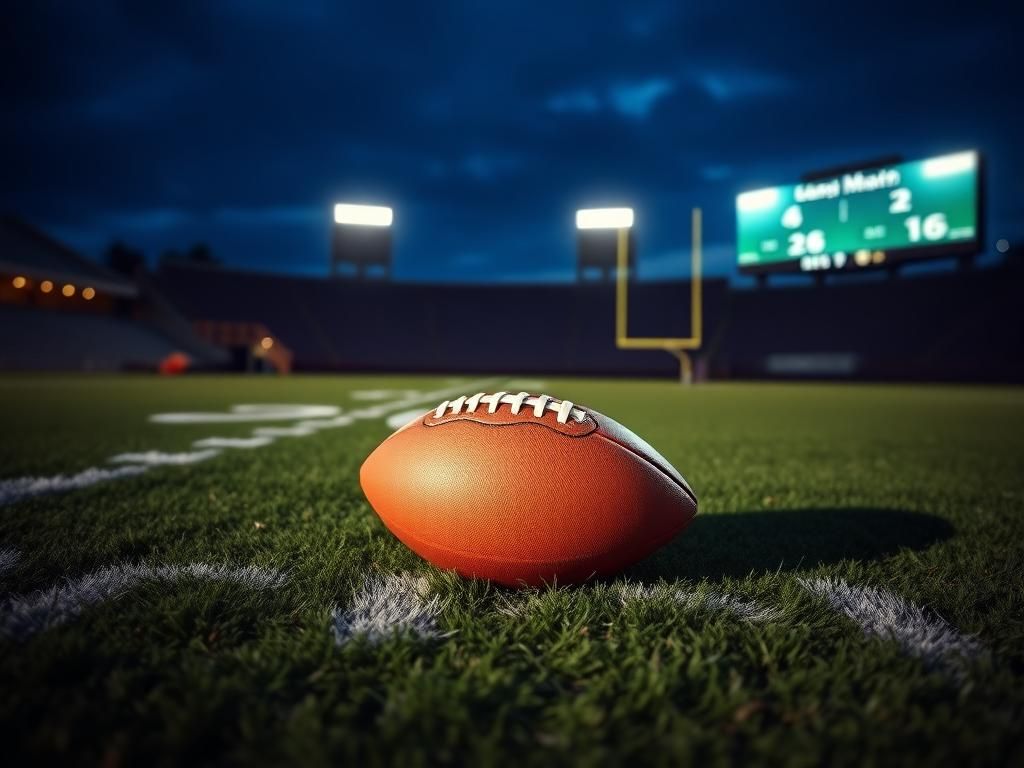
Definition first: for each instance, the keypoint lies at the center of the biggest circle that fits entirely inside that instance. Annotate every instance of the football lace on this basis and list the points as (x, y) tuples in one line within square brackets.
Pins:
[(539, 403)]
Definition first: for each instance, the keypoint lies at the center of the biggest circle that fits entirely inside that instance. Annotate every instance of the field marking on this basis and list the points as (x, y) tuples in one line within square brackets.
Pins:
[(295, 431), (382, 394), (400, 419), (17, 488), (888, 616), (741, 608), (22, 616), (387, 605), (160, 458), (245, 443), (315, 417), (248, 412), (8, 559)]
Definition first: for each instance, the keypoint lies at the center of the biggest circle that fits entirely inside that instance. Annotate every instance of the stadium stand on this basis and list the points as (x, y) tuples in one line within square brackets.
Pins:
[(385, 326), (59, 311), (954, 326), (959, 326)]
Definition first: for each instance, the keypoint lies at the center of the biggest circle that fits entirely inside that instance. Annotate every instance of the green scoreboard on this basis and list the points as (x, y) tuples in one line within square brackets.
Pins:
[(863, 218)]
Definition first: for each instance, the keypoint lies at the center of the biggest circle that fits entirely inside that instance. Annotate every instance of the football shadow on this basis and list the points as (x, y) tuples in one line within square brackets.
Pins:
[(735, 544)]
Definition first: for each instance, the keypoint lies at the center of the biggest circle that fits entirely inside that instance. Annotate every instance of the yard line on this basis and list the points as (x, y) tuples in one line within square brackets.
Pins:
[(888, 616), (22, 616), (159, 458), (747, 610), (233, 442), (399, 420), (17, 488), (249, 412), (315, 417), (387, 605)]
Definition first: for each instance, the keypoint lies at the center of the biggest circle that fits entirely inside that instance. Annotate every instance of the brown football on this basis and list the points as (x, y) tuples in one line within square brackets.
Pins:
[(525, 490)]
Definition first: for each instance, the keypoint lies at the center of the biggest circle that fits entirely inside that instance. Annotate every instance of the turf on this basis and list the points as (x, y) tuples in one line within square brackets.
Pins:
[(917, 492)]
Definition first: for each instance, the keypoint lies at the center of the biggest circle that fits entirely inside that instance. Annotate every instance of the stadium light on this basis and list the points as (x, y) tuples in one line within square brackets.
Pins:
[(947, 165), (46, 286), (19, 282), (266, 342), (88, 293), (363, 215), (604, 218), (68, 290), (757, 199)]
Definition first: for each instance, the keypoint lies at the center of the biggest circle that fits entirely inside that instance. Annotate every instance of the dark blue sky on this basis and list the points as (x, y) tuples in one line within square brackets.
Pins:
[(485, 125)]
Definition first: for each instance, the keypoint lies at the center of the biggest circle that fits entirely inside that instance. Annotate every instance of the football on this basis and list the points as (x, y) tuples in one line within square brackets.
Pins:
[(525, 490)]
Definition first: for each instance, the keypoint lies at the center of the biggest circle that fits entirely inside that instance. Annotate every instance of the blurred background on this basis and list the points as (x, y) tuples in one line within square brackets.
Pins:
[(705, 191)]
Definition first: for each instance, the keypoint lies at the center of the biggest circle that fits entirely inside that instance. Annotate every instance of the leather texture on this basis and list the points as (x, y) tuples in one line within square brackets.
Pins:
[(522, 502)]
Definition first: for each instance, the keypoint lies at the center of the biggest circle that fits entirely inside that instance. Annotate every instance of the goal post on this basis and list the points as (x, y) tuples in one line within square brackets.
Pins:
[(677, 346)]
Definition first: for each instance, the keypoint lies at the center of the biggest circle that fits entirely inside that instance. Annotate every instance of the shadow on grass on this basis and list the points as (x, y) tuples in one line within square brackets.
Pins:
[(734, 544)]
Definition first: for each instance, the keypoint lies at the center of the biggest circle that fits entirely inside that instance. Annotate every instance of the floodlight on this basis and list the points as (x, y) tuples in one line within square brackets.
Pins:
[(604, 218), (363, 215)]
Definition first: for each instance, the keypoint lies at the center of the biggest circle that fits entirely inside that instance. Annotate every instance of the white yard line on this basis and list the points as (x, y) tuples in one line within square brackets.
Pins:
[(313, 419), (710, 600), (248, 412), (385, 606), (22, 616), (888, 616), (159, 458), (18, 488), (245, 443)]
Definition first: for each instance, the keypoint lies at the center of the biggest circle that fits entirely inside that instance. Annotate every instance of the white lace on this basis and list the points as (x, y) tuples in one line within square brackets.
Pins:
[(539, 403)]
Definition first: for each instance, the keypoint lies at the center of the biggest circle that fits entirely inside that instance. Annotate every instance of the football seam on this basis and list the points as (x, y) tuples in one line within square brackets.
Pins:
[(594, 426), (682, 486)]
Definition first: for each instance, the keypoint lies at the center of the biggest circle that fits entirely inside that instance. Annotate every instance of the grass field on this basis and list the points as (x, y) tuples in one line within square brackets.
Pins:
[(852, 592)]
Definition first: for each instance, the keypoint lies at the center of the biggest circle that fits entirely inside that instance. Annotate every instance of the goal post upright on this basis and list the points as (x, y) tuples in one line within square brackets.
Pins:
[(677, 346)]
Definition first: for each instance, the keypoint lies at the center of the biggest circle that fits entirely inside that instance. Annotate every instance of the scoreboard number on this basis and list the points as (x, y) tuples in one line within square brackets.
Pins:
[(899, 200), (933, 227), (801, 244)]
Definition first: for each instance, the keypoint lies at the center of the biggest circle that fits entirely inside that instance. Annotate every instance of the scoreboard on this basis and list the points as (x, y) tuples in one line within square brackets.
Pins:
[(863, 218)]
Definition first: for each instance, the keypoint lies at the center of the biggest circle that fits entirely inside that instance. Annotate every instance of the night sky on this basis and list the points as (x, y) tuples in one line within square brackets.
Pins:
[(484, 124)]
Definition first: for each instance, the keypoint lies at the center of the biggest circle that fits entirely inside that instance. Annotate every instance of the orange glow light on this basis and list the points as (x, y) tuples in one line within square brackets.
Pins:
[(19, 282), (68, 290), (46, 286), (88, 293), (266, 342)]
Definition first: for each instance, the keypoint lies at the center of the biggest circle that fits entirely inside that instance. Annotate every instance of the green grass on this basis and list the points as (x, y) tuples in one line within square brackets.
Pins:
[(915, 490)]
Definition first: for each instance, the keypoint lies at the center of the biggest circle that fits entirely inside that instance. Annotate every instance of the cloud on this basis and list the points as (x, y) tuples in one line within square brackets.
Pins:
[(636, 100), (726, 86), (579, 101), (633, 99)]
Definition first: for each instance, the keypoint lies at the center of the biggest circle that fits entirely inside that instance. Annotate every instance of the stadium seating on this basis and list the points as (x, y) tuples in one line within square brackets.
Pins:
[(958, 326), (37, 339)]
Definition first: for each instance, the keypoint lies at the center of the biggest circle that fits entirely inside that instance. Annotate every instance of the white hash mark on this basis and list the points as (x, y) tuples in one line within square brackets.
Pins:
[(885, 615), (159, 458), (385, 606), (17, 488), (22, 616)]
